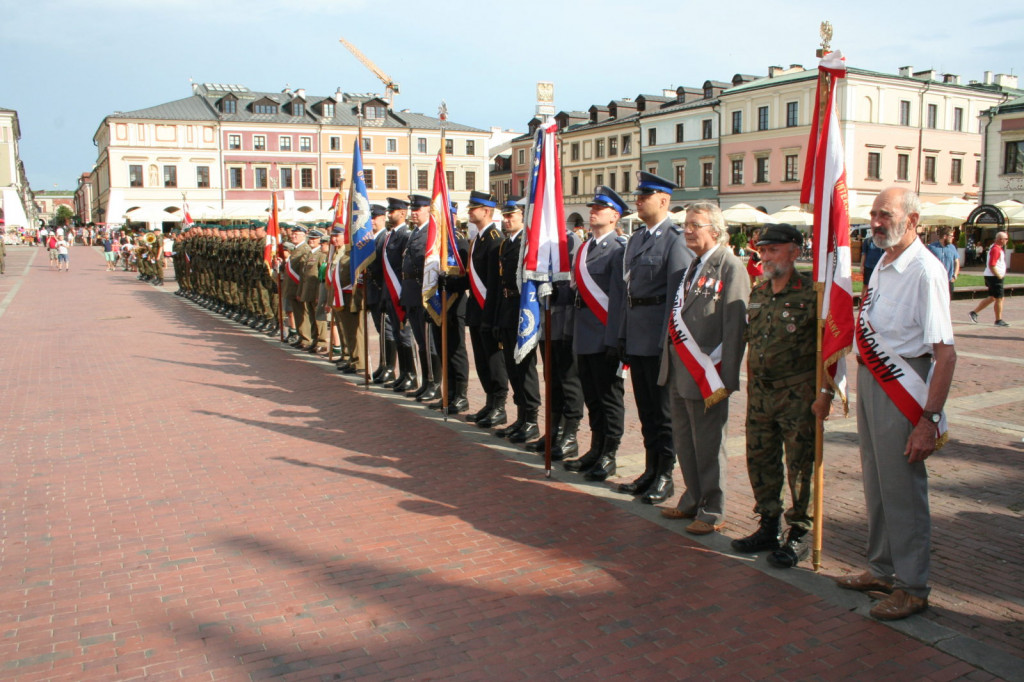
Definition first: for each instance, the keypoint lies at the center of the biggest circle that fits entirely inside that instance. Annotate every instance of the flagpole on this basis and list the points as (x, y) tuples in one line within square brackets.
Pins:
[(818, 501), (366, 329), (277, 253), (443, 267), (547, 385)]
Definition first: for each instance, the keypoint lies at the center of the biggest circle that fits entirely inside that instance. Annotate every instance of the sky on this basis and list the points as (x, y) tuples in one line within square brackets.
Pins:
[(66, 64)]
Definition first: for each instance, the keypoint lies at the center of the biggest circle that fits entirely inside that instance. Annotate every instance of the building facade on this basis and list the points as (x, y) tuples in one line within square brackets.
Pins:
[(17, 207), (1003, 134)]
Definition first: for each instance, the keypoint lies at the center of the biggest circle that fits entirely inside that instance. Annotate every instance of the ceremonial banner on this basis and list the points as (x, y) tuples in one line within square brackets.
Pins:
[(545, 248), (186, 221), (824, 185), (441, 245), (338, 206), (361, 228), (272, 243)]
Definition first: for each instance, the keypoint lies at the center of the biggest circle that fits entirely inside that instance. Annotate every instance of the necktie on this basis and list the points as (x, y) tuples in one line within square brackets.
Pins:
[(691, 273)]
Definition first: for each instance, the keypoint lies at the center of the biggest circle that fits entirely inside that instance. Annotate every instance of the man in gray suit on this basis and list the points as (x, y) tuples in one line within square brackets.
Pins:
[(701, 364), (655, 260), (598, 287)]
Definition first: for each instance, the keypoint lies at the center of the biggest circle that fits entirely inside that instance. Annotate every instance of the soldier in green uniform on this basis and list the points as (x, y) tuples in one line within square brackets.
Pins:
[(782, 334)]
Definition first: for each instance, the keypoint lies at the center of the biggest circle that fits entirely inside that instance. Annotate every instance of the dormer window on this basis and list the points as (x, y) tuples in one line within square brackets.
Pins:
[(328, 109), (708, 93), (227, 104), (298, 109), (265, 106), (375, 112)]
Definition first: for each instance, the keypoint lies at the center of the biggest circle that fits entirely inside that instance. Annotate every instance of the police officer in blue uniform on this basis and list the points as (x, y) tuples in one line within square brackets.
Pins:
[(412, 297), (376, 295), (393, 250)]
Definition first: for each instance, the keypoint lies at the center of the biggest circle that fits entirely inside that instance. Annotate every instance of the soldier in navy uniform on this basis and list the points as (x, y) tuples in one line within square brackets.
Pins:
[(458, 361), (486, 238), (376, 294), (656, 259), (502, 315), (599, 272), (393, 250), (412, 297)]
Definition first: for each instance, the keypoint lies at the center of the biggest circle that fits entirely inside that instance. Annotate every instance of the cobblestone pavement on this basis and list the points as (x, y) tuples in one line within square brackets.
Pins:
[(184, 499)]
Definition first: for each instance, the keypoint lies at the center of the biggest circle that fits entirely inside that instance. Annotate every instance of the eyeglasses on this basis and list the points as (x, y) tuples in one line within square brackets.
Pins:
[(693, 227)]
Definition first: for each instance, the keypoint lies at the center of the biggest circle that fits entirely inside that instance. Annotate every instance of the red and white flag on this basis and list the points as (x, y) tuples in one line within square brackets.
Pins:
[(338, 206), (186, 221), (824, 185), (273, 239)]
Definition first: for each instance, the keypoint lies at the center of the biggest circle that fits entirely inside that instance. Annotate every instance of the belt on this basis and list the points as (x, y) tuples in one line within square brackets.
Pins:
[(926, 356), (653, 300), (787, 382), (509, 293)]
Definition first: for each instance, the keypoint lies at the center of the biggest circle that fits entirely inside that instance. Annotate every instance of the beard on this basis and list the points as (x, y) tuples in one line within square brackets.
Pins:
[(892, 238), (777, 270)]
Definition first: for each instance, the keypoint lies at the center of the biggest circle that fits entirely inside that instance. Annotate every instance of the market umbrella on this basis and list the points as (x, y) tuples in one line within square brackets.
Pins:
[(745, 214), (794, 215)]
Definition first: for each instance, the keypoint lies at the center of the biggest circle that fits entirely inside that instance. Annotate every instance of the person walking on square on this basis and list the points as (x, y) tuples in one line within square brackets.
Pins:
[(995, 271), (943, 249)]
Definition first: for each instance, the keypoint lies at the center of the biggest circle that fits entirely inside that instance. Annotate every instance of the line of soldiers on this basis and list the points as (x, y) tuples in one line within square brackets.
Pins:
[(667, 308)]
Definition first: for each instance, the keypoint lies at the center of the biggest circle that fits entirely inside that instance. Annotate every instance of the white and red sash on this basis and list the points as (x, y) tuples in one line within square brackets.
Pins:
[(591, 293), (393, 282), (476, 282), (701, 366), (907, 390), (292, 275)]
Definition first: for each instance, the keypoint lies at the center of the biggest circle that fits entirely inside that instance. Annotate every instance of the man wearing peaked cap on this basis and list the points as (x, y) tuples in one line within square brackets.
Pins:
[(598, 288), (300, 333), (392, 251), (376, 293), (309, 292), (485, 239), (412, 297), (656, 258)]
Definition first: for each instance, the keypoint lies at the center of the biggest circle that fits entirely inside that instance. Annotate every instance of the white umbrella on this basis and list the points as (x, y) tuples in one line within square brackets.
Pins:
[(860, 213), (1013, 210), (745, 214), (794, 215), (952, 212)]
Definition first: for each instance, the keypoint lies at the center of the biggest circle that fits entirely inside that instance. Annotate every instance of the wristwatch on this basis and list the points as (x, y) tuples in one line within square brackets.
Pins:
[(933, 417)]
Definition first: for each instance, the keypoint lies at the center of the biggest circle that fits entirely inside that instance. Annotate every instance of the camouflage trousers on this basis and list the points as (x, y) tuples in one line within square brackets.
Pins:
[(780, 419)]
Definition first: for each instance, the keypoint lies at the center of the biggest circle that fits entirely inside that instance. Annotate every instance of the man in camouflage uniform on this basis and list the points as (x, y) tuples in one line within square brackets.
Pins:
[(780, 392)]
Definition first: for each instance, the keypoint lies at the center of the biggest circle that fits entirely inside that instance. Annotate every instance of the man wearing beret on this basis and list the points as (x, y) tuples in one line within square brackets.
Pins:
[(782, 336), (655, 260)]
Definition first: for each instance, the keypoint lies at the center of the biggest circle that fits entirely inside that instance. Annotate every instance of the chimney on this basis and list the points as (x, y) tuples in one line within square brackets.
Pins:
[(300, 92), (907, 71), (774, 71), (338, 94), (951, 78), (287, 90), (1005, 80), (988, 78), (668, 92)]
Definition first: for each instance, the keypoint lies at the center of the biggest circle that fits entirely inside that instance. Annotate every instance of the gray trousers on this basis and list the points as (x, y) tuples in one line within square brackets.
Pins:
[(698, 437), (896, 492)]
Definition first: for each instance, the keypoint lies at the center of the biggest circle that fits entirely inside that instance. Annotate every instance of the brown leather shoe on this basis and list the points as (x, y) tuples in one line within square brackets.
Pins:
[(899, 605), (703, 528), (865, 582), (676, 513)]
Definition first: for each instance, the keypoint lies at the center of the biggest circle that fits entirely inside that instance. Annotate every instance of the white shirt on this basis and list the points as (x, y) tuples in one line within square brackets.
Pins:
[(911, 306)]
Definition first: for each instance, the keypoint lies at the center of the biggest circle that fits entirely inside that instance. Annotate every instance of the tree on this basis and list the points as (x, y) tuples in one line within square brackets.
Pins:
[(63, 215)]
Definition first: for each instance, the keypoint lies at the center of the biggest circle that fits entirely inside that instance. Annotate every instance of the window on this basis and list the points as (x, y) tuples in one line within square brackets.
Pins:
[(904, 112), (328, 109), (368, 177), (522, 156), (874, 166), (611, 179), (259, 143), (705, 129), (522, 187), (375, 112), (737, 122), (762, 118), (627, 144), (792, 168), (1013, 158), (956, 171), (391, 178), (392, 145), (228, 106), (977, 171), (284, 143), (599, 149), (449, 177), (958, 119), (202, 176), (470, 147), (298, 109), (762, 169), (286, 178), (599, 179), (335, 144), (422, 178), (679, 132), (574, 151), (681, 175), (421, 145), (449, 146), (736, 172), (306, 178), (652, 137), (367, 144), (264, 108), (903, 167), (613, 146), (170, 176), (234, 141), (135, 175), (261, 178), (235, 178), (933, 116), (334, 177), (792, 114), (305, 144), (929, 169), (575, 185), (470, 180), (707, 174), (625, 180)]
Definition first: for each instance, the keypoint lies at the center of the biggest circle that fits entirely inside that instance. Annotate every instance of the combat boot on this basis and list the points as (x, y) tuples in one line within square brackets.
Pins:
[(539, 444), (765, 537), (496, 417), (527, 431), (482, 412), (514, 426), (590, 457), (796, 548), (605, 466), (566, 444)]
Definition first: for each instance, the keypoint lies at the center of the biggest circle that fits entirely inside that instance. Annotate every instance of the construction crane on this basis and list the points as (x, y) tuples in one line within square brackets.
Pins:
[(390, 86)]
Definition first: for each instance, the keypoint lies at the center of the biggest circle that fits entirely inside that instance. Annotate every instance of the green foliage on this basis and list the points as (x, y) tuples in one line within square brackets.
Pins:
[(962, 242), (63, 215), (739, 240)]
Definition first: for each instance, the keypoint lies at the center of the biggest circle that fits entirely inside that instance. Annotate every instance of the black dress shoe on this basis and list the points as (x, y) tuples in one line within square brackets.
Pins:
[(604, 468), (479, 414), (351, 369), (460, 404), (496, 417), (527, 431), (432, 393), (639, 486), (537, 445), (660, 491), (418, 392), (407, 384), (584, 463), (384, 377), (510, 429)]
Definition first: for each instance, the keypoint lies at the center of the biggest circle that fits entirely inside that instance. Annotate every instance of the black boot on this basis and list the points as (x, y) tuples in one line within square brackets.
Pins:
[(482, 412), (527, 431), (460, 403), (660, 490), (566, 445), (590, 457), (496, 417), (605, 466), (796, 548), (765, 537), (514, 426), (539, 444)]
